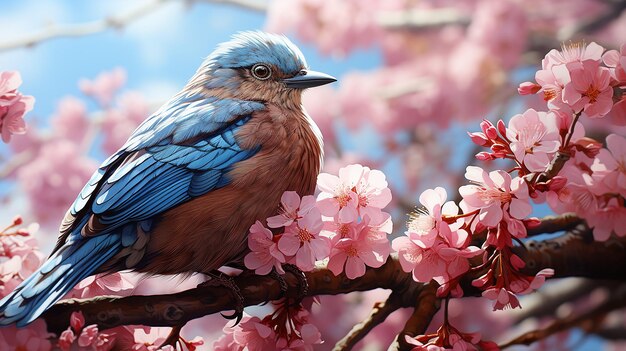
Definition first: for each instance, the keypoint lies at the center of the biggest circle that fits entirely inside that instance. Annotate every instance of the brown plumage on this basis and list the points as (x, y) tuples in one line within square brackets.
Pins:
[(184, 238)]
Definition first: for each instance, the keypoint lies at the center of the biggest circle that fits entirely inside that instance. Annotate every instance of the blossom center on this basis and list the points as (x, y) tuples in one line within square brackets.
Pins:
[(421, 224), (549, 94), (352, 251), (343, 199), (592, 93), (363, 200), (343, 230), (304, 235), (530, 136), (490, 195)]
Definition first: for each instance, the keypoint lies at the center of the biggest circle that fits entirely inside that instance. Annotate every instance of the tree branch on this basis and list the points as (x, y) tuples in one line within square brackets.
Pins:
[(380, 312), (572, 254), (615, 301), (111, 22), (554, 224), (426, 306)]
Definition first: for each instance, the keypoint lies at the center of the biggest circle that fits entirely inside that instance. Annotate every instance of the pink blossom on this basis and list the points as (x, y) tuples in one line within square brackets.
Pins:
[(491, 192), (264, 254), (573, 53), (429, 224), (77, 321), (70, 120), (103, 284), (589, 90), (357, 191), (120, 121), (88, 335), (66, 339), (617, 63), (528, 88), (104, 86), (292, 209), (607, 219), (34, 337), (227, 342), (534, 138), (13, 105), (335, 28), (322, 103), (309, 336), (502, 298), (610, 164), (105, 342), (443, 261), (303, 241), (254, 335), (53, 178), (362, 246), (501, 27), (552, 80), (149, 338)]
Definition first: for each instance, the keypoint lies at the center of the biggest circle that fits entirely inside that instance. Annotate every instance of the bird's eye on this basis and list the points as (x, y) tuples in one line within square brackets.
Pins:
[(261, 72)]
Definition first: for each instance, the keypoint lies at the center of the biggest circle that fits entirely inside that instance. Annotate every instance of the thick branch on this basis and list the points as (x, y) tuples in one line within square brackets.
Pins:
[(569, 255)]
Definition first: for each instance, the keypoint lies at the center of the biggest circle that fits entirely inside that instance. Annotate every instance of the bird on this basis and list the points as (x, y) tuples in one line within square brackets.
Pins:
[(181, 194)]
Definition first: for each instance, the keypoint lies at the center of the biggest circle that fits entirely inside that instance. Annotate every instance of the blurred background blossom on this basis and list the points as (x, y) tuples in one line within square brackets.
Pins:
[(413, 77)]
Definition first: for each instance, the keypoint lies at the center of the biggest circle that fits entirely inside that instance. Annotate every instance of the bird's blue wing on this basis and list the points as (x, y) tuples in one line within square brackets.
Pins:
[(159, 167), (162, 176)]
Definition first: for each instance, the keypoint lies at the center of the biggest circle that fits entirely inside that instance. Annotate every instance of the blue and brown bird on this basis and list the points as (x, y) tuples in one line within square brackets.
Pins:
[(181, 194)]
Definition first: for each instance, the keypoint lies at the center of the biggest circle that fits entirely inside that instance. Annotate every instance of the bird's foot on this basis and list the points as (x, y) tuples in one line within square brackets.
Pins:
[(303, 284), (281, 281), (223, 280)]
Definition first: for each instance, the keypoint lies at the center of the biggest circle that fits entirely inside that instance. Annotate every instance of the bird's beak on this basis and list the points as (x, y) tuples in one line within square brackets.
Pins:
[(308, 79)]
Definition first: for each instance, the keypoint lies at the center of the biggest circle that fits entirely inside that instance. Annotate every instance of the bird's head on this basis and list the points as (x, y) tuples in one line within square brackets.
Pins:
[(257, 66)]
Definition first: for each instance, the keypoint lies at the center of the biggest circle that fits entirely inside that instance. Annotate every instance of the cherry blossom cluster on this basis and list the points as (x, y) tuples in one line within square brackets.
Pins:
[(449, 338), (80, 337), (19, 258), (288, 328), (345, 224), (437, 243), (496, 205), (85, 337), (574, 80), (13, 105)]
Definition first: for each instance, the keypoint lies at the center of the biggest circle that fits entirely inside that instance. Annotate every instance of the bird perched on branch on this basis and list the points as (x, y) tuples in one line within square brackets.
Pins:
[(181, 194)]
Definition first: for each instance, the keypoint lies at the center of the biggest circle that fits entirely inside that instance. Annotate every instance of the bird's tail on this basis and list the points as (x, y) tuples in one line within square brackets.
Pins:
[(56, 277)]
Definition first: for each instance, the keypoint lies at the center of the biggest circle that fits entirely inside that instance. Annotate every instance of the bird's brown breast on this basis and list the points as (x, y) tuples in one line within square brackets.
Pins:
[(211, 230)]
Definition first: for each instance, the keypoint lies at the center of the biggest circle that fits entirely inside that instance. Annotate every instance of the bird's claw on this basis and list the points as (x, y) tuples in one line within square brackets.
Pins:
[(281, 281), (303, 284), (229, 283)]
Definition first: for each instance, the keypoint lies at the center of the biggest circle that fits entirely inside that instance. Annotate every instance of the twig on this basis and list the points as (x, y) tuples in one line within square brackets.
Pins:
[(427, 304), (553, 224), (422, 18), (562, 156), (112, 22), (380, 312), (615, 301), (173, 336)]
